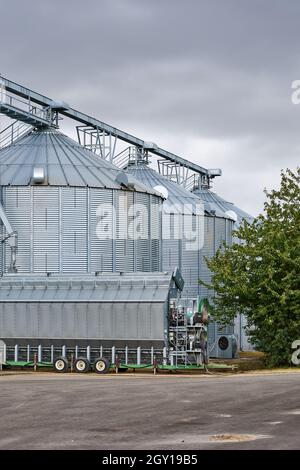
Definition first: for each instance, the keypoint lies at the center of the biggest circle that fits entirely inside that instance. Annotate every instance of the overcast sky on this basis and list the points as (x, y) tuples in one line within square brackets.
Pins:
[(209, 80)]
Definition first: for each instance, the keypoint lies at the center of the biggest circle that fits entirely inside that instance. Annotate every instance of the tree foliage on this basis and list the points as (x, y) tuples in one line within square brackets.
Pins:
[(260, 276)]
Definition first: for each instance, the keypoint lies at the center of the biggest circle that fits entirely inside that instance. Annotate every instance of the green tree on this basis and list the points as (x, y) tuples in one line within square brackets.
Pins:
[(260, 276)]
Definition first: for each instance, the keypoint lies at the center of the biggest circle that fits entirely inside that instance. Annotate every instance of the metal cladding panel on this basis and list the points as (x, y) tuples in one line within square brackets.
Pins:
[(131, 324), (93, 320), (7, 320), (32, 313), (229, 229), (212, 334), (62, 229), (106, 320), (220, 232), (119, 319), (100, 237), (82, 321), (207, 252), (190, 257), (46, 230), (125, 253), (155, 228), (44, 318), (171, 254), (17, 203), (21, 315), (69, 320), (142, 228), (171, 244), (225, 330), (146, 326), (74, 218), (127, 306)]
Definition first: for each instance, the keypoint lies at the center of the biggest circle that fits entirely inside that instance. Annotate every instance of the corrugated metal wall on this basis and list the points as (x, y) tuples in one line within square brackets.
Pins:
[(45, 230), (73, 320), (58, 230), (125, 256), (74, 230), (101, 253), (156, 230)]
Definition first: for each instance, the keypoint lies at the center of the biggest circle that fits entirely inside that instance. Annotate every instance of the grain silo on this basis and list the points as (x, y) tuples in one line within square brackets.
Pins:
[(72, 210), (68, 272), (73, 272), (213, 201), (214, 227)]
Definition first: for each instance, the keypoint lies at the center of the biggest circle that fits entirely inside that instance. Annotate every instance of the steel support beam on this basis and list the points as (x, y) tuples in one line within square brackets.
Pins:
[(82, 118)]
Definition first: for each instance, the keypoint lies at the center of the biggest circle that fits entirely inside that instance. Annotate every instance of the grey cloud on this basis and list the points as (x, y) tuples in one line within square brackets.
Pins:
[(173, 72)]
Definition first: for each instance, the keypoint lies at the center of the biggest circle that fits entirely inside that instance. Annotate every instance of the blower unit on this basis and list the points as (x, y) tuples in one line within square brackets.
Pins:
[(225, 346)]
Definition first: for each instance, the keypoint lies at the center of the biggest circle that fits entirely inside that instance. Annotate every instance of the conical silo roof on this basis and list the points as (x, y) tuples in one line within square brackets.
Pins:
[(64, 162), (176, 193), (216, 202)]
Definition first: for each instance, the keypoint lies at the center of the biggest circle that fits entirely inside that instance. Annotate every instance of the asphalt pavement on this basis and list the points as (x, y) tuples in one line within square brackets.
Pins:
[(52, 411)]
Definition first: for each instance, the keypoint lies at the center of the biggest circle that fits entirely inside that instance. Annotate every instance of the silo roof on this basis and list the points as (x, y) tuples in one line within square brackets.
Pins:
[(176, 193), (64, 161), (216, 202)]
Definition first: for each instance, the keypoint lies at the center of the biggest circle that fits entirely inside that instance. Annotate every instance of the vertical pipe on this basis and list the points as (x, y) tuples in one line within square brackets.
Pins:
[(52, 353), (164, 356), (126, 355), (101, 351), (152, 355), (113, 354), (138, 355), (64, 351), (76, 351), (28, 352), (39, 353), (241, 331), (35, 362), (154, 365), (88, 353), (16, 353), (117, 364)]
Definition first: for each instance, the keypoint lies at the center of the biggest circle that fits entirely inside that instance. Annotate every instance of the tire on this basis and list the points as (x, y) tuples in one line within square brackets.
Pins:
[(60, 364), (101, 365), (81, 365)]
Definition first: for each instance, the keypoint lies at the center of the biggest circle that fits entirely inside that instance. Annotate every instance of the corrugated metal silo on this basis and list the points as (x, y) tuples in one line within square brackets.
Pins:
[(60, 199), (216, 227), (213, 201)]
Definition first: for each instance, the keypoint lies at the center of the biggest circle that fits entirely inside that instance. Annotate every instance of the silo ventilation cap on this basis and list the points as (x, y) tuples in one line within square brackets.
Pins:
[(232, 215), (125, 180), (38, 175)]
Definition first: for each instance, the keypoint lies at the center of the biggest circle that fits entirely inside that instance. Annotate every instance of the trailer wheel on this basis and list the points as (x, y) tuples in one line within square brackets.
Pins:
[(60, 364), (81, 365), (101, 365)]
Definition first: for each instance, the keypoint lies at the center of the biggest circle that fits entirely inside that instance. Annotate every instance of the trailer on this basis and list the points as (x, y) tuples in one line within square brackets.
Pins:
[(112, 320)]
